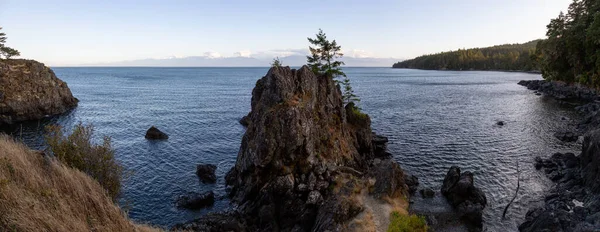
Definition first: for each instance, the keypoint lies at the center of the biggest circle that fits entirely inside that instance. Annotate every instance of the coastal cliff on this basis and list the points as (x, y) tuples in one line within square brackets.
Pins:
[(29, 91), (307, 163)]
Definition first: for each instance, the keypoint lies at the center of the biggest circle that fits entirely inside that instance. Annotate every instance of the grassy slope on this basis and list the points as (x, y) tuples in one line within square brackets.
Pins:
[(40, 194)]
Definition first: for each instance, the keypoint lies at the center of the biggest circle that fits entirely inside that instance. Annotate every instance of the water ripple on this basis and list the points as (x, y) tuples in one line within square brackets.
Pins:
[(434, 119)]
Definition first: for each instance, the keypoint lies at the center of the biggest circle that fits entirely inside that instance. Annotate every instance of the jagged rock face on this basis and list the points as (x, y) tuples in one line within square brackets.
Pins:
[(590, 161), (29, 91), (297, 142), (468, 200)]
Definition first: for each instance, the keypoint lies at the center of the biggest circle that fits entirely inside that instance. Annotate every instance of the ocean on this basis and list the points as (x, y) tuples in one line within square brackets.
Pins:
[(433, 119)]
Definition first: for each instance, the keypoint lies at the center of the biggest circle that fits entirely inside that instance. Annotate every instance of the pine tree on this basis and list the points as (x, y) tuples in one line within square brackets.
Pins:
[(276, 63), (323, 62), (348, 93), (5, 51), (323, 56)]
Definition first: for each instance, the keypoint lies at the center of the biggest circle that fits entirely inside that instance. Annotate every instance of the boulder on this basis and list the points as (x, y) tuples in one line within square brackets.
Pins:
[(380, 146), (412, 182), (500, 123), (389, 180), (468, 200), (155, 134), (30, 91), (566, 136), (427, 193), (214, 222), (245, 121), (195, 201), (206, 173)]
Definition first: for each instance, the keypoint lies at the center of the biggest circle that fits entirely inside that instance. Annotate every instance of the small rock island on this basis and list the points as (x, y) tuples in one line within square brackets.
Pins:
[(307, 163)]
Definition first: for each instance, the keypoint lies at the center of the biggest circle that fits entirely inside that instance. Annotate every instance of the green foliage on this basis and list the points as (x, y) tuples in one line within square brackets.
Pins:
[(515, 57), (572, 51), (406, 223), (78, 151), (357, 113), (5, 51), (347, 92), (276, 63), (323, 56)]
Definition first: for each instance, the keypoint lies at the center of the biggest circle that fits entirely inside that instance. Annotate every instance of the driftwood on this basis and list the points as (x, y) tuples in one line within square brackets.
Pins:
[(516, 192)]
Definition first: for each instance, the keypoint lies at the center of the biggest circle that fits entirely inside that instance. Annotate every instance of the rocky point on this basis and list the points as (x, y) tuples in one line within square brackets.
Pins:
[(30, 91)]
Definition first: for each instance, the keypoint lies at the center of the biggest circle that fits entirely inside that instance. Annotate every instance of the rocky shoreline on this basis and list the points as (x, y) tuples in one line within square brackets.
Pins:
[(573, 204), (30, 91)]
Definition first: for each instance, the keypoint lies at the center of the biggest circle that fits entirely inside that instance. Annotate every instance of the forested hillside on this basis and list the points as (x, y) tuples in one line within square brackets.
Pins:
[(572, 51), (510, 57)]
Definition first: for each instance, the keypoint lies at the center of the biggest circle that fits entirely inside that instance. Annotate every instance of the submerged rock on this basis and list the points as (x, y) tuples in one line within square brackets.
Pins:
[(566, 136), (206, 173), (468, 200), (30, 91), (500, 123), (196, 200), (155, 134), (427, 193)]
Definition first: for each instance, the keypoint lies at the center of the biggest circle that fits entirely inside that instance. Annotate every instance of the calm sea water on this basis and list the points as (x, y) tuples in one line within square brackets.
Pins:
[(434, 119)]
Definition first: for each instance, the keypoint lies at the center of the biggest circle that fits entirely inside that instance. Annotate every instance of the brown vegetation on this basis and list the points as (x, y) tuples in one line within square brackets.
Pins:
[(78, 151), (38, 193)]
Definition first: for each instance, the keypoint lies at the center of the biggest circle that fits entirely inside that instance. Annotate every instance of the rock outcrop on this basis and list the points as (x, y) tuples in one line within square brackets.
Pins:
[(468, 200), (561, 90), (30, 91), (194, 200), (206, 173), (574, 203), (155, 134), (305, 162)]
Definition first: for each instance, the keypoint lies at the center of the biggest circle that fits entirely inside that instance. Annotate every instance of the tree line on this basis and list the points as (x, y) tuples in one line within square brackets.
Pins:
[(571, 53), (509, 57)]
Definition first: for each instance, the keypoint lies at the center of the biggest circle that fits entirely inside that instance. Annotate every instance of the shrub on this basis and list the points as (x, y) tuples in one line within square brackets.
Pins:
[(276, 63), (406, 223), (78, 151)]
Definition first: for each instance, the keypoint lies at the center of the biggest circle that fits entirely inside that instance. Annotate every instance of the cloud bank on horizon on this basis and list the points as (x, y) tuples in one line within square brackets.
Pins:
[(246, 58)]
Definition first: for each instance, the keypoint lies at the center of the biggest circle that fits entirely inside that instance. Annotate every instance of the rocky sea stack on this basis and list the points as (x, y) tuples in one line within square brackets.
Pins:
[(30, 91), (305, 163)]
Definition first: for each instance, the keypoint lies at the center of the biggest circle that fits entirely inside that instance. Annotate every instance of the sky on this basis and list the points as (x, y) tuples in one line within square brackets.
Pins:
[(73, 32)]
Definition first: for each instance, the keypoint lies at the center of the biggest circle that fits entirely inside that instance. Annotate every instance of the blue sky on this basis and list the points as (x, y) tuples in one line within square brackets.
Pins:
[(79, 32)]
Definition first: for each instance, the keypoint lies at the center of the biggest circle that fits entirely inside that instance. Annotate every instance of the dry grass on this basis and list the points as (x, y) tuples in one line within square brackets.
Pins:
[(38, 193)]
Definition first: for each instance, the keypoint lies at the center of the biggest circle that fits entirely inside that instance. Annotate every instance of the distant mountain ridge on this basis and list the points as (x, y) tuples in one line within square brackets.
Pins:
[(507, 57), (207, 61)]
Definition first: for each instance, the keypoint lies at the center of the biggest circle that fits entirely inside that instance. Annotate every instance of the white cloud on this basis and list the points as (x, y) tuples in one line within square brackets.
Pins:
[(212, 54), (243, 53), (358, 53), (281, 53)]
